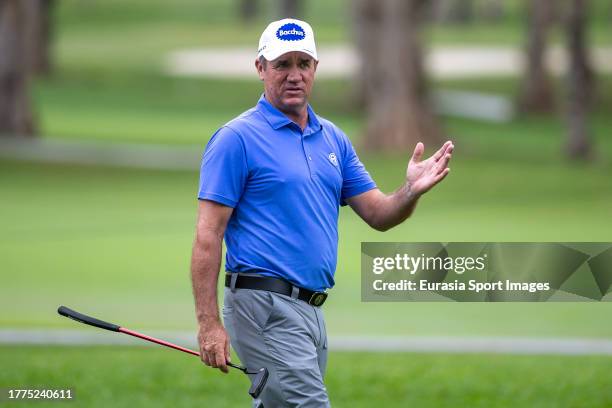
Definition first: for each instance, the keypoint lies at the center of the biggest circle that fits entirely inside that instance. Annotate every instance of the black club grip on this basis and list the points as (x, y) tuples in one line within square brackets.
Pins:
[(79, 317)]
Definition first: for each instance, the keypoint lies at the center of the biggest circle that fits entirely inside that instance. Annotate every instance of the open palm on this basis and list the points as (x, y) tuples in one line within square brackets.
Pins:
[(422, 175)]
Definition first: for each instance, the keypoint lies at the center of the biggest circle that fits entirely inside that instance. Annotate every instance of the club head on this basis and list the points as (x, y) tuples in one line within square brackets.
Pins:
[(258, 382)]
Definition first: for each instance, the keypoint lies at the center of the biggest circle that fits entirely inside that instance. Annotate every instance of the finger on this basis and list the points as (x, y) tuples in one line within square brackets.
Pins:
[(205, 358), (210, 356), (442, 164), (442, 175), (418, 152), (227, 351), (220, 361), (201, 343), (441, 151), (450, 148)]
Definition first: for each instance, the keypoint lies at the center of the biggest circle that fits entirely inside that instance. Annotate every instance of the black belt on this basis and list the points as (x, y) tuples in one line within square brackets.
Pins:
[(276, 285)]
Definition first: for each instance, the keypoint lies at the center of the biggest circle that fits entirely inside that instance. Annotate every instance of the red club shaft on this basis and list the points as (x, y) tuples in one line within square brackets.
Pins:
[(168, 344), (158, 341)]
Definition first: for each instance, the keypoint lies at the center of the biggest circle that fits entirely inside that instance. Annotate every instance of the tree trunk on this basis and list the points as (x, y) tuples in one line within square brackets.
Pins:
[(537, 91), (291, 8), (16, 116), (368, 18), (248, 10), (39, 35), (580, 80), (397, 107)]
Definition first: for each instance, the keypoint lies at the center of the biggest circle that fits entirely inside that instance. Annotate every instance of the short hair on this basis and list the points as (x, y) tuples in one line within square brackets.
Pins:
[(263, 61)]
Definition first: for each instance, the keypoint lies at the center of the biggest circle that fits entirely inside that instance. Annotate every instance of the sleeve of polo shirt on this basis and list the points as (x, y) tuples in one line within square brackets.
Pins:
[(356, 179), (224, 169)]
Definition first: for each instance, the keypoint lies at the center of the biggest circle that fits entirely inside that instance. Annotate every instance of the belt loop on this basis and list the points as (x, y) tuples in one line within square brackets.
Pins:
[(295, 292), (233, 278)]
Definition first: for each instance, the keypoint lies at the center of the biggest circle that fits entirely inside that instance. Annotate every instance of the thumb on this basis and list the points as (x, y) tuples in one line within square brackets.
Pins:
[(227, 351), (418, 152)]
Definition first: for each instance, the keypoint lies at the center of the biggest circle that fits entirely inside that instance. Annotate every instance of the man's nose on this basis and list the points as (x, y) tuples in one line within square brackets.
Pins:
[(294, 75)]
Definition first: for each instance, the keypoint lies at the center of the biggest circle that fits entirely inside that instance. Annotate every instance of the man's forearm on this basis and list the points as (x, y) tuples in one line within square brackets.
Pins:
[(395, 208), (205, 265)]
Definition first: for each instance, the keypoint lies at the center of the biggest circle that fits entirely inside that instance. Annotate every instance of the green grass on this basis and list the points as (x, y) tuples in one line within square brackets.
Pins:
[(133, 376), (114, 242), (124, 107)]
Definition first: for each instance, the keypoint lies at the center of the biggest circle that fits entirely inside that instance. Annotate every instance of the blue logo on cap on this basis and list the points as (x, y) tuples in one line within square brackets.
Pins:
[(290, 32)]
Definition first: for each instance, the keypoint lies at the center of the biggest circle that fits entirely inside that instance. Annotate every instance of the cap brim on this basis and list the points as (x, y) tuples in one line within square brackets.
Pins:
[(271, 55)]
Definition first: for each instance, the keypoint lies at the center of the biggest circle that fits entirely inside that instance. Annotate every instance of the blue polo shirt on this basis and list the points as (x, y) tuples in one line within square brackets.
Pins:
[(286, 186)]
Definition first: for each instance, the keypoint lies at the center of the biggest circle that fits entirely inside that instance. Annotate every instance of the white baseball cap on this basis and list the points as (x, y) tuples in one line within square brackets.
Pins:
[(283, 36)]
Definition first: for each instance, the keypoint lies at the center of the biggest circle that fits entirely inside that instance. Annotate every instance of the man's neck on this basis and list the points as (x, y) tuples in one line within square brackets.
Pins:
[(300, 117)]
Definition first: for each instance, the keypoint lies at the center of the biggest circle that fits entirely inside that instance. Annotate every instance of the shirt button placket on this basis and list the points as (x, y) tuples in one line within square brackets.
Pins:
[(307, 156)]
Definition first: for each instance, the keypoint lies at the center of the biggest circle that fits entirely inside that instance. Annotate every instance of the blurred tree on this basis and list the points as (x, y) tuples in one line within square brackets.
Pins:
[(247, 10), (452, 11), (580, 81), (492, 10), (537, 91), (291, 8), (16, 116), (39, 35), (392, 74)]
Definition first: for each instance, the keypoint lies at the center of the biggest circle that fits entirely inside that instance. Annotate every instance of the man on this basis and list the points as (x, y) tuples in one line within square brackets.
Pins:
[(272, 181)]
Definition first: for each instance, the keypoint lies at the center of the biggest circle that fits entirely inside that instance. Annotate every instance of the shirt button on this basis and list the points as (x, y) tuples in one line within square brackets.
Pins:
[(309, 158)]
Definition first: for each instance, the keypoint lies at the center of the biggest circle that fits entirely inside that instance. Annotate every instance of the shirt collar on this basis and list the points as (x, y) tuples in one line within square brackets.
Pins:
[(278, 119)]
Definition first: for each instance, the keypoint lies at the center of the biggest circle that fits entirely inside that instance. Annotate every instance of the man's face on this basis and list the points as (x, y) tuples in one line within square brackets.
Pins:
[(288, 80)]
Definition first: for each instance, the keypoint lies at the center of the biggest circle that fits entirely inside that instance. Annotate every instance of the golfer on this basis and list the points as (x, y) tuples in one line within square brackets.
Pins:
[(271, 183)]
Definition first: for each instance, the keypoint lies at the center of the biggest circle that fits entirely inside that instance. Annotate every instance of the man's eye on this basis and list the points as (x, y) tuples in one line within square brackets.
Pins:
[(305, 64)]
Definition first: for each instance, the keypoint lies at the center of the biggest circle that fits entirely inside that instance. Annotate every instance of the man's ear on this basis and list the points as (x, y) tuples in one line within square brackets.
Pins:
[(316, 64), (259, 67)]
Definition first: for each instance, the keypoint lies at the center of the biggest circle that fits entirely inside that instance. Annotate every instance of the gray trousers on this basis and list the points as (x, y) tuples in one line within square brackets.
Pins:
[(285, 335)]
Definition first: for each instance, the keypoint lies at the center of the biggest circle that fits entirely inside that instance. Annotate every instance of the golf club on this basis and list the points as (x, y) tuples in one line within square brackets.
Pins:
[(258, 382)]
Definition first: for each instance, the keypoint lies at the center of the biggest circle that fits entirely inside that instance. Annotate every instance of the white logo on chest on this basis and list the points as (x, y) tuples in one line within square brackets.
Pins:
[(333, 159)]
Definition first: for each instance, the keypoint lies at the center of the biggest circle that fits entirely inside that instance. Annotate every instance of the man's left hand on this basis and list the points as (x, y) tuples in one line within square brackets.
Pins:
[(422, 175)]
